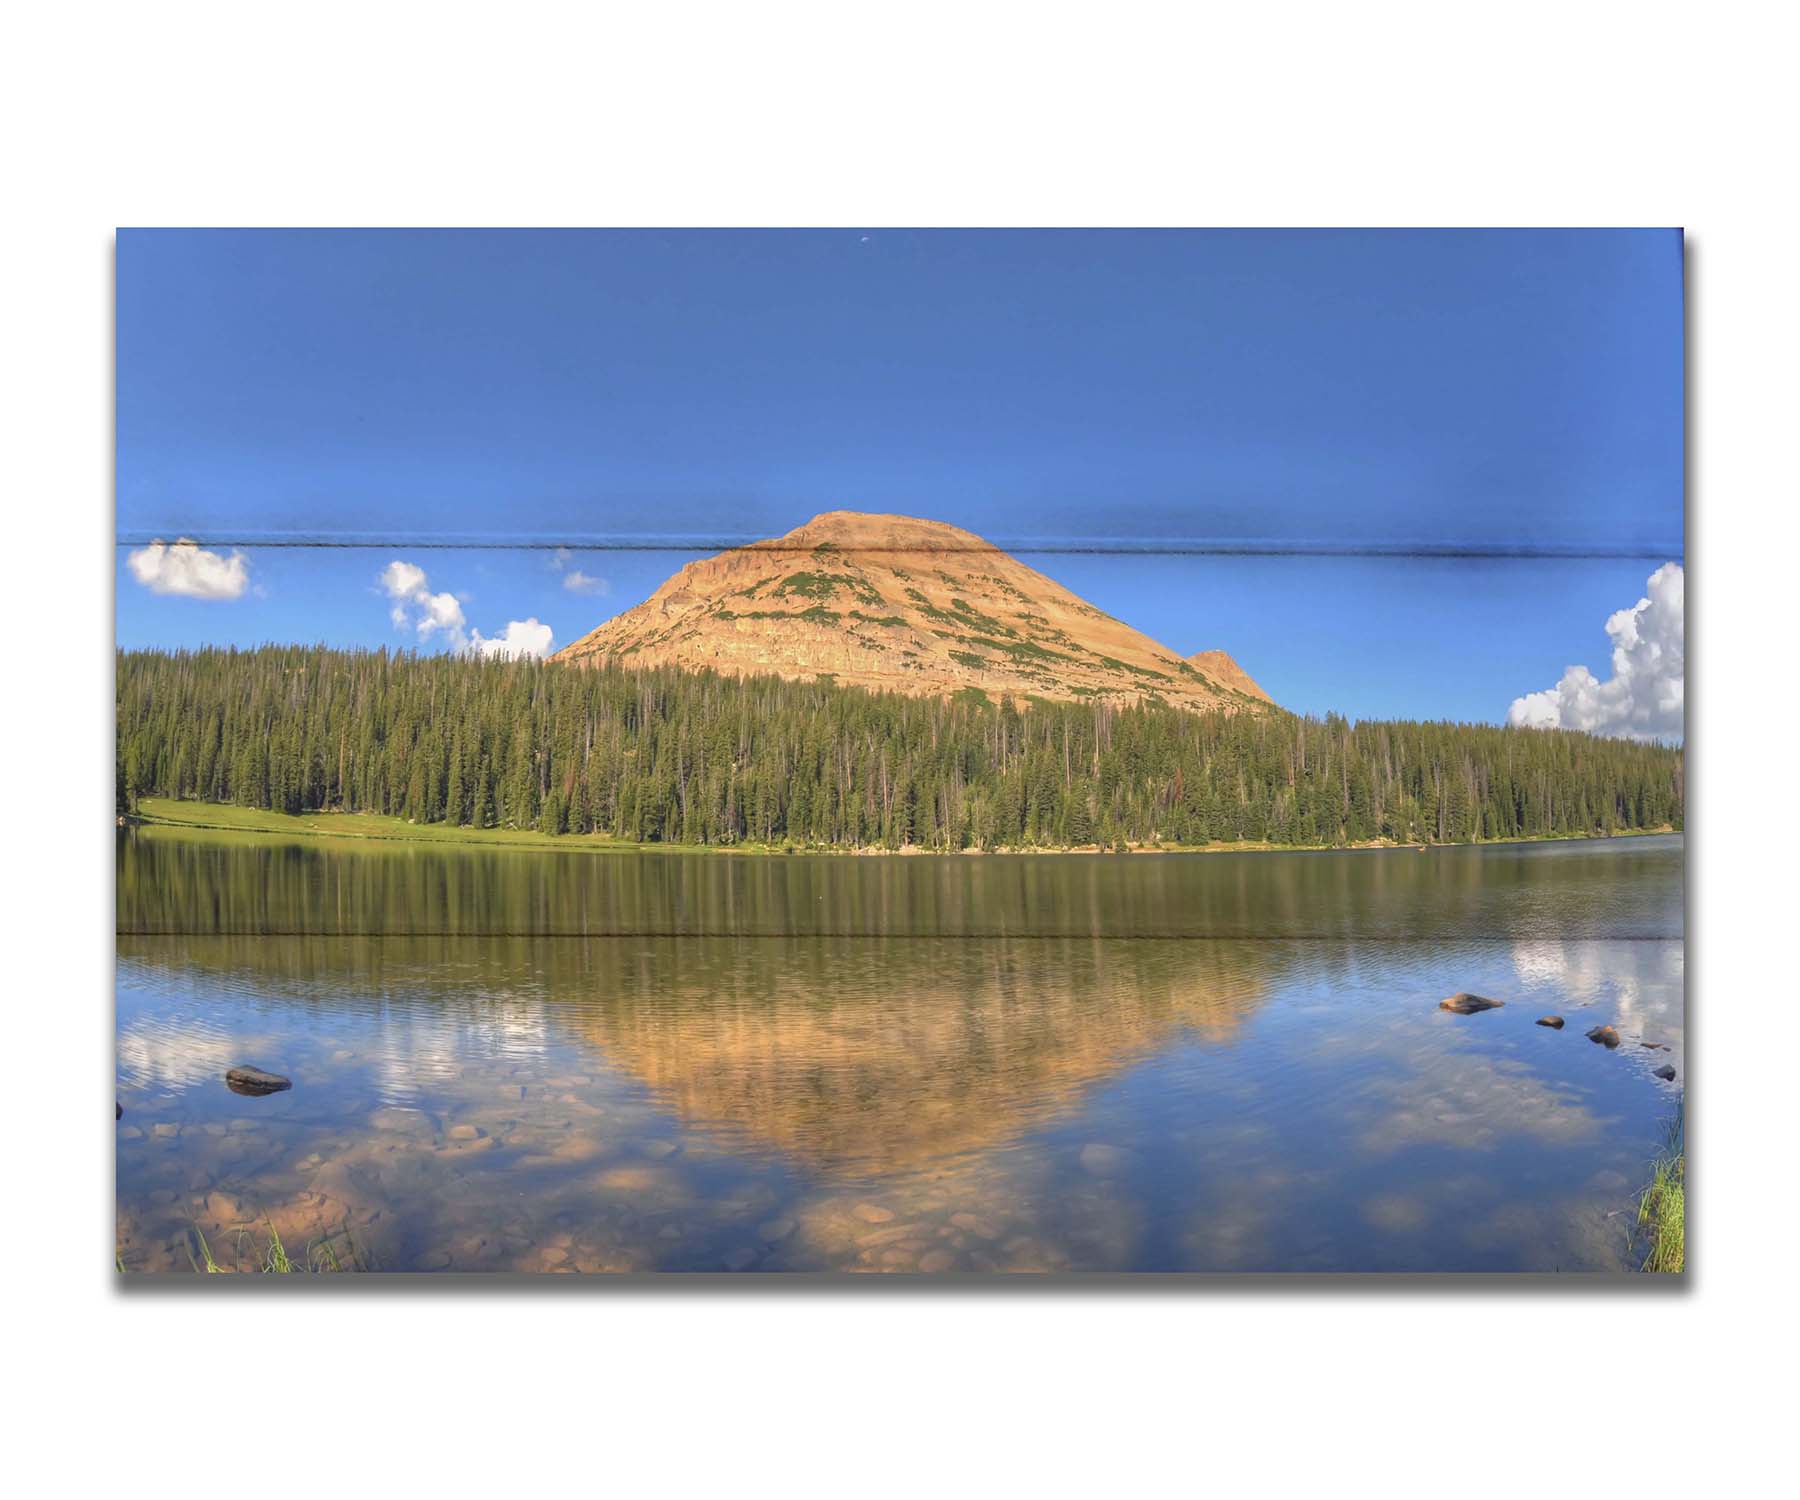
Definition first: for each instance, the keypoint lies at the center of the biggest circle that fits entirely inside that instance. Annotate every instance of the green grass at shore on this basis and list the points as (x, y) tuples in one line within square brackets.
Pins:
[(224, 820), (1662, 1209), (336, 1251)]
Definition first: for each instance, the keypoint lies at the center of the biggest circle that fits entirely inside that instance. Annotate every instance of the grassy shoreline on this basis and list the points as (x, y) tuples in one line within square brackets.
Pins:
[(1662, 1207), (223, 818)]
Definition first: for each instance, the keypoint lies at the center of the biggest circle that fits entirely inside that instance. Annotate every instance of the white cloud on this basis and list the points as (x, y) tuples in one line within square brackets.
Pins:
[(441, 612), (574, 580), (1643, 698), (440, 616), (520, 638), (402, 579), (416, 606), (183, 567)]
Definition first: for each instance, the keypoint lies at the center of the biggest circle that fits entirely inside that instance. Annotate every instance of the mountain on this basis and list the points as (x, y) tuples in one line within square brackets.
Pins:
[(910, 606), (1220, 666)]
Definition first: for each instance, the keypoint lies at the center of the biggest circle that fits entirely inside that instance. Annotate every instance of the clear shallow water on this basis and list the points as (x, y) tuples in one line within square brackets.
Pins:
[(562, 1061)]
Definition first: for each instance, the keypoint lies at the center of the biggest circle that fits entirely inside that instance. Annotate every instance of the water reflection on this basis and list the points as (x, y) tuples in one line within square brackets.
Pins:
[(156, 1054), (199, 882), (1640, 985), (770, 1098), (838, 1053)]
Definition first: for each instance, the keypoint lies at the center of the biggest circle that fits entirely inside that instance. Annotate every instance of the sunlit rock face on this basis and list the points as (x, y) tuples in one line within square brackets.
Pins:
[(910, 606), (1222, 667)]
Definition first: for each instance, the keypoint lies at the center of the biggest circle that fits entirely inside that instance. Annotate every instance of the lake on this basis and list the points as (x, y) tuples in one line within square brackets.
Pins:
[(525, 1060)]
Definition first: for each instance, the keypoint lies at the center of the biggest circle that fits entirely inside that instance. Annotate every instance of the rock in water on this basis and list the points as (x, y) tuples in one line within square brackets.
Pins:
[(1666, 1073), (1465, 1004), (254, 1081), (1604, 1035), (1555, 1023), (118, 1111)]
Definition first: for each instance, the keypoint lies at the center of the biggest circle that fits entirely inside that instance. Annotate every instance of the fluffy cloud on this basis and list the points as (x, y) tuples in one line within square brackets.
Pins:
[(574, 580), (520, 638), (438, 617), (1643, 698), (184, 567), (402, 579), (415, 605)]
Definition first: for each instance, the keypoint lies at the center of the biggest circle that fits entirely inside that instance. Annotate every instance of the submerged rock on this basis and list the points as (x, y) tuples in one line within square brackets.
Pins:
[(1666, 1073), (118, 1111), (1554, 1022), (1605, 1035), (254, 1081), (1465, 1004)]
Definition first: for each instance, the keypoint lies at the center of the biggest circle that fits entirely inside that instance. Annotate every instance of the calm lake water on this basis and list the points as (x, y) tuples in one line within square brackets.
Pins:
[(548, 1061)]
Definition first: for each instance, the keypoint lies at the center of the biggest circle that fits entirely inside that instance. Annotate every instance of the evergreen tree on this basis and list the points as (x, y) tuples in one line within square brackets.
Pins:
[(704, 759)]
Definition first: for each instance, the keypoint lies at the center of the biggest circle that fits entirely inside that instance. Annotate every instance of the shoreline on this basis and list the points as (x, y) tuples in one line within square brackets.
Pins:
[(226, 818)]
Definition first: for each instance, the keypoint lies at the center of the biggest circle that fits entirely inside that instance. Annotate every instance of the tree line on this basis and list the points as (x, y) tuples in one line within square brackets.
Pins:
[(697, 758)]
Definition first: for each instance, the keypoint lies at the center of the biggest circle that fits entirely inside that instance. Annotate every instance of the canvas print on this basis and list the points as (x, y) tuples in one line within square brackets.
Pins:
[(935, 753)]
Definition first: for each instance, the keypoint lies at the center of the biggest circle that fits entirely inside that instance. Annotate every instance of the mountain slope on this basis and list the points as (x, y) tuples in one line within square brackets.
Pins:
[(906, 605), (1220, 666)]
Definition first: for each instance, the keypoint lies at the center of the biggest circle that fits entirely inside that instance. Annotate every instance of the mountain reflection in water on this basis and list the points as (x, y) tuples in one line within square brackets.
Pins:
[(1213, 1062)]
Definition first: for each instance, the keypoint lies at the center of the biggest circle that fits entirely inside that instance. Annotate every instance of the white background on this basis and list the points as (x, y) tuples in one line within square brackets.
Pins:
[(866, 115)]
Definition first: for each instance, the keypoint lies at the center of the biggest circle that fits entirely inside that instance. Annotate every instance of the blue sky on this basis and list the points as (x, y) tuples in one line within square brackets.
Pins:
[(1339, 390)]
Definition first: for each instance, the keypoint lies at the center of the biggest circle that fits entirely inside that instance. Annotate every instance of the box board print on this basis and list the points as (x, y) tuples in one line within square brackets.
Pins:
[(937, 753)]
